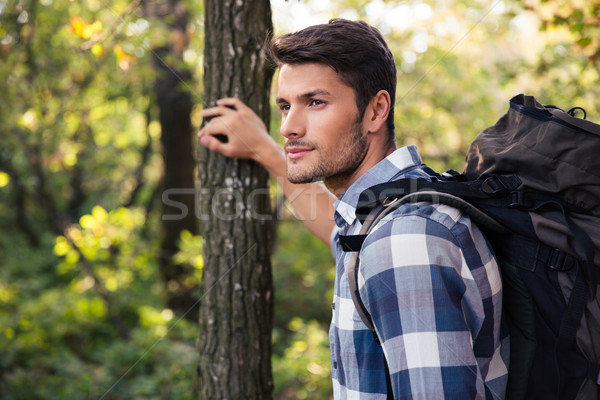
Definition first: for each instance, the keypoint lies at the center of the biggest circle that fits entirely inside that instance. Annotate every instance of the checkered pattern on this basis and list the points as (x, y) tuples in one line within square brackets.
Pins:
[(432, 286)]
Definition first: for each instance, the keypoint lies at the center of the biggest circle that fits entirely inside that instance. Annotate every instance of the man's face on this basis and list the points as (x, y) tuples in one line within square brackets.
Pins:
[(324, 136)]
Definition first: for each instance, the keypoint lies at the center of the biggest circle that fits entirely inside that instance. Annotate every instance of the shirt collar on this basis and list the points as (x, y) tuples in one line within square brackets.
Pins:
[(391, 167)]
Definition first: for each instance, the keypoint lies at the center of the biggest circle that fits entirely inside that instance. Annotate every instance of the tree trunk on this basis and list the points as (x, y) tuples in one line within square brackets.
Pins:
[(175, 105), (236, 310)]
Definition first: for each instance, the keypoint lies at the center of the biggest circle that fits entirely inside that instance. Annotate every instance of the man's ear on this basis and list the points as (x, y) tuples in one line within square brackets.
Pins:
[(377, 111)]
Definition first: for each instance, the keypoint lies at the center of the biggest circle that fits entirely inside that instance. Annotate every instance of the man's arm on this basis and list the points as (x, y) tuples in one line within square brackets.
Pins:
[(247, 137)]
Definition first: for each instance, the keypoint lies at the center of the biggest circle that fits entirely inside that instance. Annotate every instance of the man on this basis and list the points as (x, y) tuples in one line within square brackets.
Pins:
[(427, 276)]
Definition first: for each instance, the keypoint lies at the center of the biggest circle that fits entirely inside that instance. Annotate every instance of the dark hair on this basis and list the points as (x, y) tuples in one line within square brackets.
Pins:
[(354, 49)]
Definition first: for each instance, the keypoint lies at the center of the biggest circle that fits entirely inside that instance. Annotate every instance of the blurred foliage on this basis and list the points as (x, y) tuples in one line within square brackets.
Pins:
[(303, 282), (579, 18), (58, 340), (302, 371), (82, 312)]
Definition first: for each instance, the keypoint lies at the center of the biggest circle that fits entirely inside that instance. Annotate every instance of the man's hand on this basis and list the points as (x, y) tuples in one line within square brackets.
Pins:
[(234, 130)]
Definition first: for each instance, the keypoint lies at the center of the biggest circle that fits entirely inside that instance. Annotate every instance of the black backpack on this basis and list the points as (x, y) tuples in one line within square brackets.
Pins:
[(532, 185)]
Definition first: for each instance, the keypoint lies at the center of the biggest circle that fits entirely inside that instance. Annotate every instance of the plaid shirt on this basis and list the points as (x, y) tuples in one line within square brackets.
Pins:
[(432, 286)]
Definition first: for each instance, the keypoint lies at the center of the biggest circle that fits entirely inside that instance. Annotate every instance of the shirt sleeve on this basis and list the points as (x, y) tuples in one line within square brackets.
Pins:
[(416, 279)]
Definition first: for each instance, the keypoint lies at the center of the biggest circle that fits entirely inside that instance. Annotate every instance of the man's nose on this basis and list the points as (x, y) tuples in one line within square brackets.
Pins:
[(293, 125)]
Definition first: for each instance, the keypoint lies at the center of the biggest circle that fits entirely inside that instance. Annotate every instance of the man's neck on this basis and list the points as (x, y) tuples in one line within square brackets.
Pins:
[(339, 184)]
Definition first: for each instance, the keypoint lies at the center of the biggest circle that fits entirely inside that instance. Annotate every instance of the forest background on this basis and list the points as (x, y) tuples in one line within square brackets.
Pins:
[(88, 307)]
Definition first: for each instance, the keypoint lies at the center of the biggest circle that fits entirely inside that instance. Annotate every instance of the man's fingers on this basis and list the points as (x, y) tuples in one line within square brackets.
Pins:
[(209, 112), (236, 103), (231, 102), (211, 143), (215, 111), (228, 106), (231, 128)]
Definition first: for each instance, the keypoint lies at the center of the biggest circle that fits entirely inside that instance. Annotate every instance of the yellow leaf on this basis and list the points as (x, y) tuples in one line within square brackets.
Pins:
[(70, 159), (111, 283), (4, 179), (87, 222), (92, 29), (97, 50), (81, 28), (61, 246), (99, 213), (78, 25)]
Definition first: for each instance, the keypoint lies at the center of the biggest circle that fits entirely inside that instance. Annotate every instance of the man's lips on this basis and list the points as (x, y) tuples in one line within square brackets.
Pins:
[(297, 152)]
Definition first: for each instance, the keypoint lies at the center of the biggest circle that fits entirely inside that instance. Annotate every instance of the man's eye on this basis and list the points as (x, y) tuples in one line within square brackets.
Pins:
[(284, 107), (316, 102)]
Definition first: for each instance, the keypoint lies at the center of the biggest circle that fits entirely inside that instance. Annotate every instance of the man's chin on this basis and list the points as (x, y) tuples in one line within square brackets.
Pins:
[(302, 176), (304, 179)]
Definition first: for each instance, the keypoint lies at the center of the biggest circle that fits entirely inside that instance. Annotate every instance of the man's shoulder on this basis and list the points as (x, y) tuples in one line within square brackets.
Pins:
[(415, 229), (417, 233), (424, 218)]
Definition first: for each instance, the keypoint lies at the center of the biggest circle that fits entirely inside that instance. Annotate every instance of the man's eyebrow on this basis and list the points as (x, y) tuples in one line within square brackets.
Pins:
[(317, 92), (307, 95)]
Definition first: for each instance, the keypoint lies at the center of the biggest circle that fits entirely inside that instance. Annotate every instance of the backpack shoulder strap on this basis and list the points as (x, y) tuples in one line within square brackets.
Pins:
[(479, 217), (372, 218), (354, 242)]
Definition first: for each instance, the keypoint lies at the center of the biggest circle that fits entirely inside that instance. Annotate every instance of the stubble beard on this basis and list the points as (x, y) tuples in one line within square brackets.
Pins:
[(334, 165)]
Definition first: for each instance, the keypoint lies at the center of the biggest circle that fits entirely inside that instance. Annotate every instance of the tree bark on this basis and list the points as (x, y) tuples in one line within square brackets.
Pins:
[(236, 311)]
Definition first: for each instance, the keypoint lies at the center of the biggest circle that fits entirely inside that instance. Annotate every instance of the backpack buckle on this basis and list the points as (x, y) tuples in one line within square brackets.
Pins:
[(559, 260), (517, 200), (498, 183), (492, 185)]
